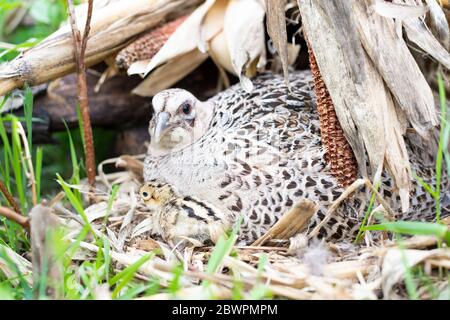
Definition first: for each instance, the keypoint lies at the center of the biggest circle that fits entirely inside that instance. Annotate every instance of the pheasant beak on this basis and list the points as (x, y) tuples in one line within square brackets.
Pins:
[(162, 123)]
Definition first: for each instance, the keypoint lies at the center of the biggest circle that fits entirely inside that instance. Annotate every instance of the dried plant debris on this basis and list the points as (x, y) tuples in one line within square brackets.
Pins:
[(44, 233), (244, 34), (373, 90), (276, 27), (112, 27), (170, 73), (292, 223), (308, 269), (232, 32), (146, 46)]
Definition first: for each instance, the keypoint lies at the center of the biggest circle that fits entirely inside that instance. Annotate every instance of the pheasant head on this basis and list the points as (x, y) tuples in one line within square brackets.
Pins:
[(179, 120), (155, 195)]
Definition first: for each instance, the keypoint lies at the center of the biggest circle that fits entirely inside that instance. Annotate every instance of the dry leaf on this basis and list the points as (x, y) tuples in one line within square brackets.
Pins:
[(291, 223), (293, 52), (22, 266), (147, 245)]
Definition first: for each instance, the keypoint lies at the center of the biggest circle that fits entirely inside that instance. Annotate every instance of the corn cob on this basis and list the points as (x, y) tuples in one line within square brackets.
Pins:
[(146, 46), (338, 152)]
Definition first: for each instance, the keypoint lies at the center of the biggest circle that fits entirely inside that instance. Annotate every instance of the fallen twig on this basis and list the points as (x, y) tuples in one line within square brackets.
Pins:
[(16, 217), (9, 197), (79, 45)]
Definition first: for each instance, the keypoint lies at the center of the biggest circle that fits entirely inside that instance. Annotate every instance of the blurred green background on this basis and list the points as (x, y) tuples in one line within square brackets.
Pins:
[(23, 24)]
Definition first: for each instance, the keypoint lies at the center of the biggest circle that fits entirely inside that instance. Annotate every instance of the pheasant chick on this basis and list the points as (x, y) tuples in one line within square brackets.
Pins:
[(179, 218)]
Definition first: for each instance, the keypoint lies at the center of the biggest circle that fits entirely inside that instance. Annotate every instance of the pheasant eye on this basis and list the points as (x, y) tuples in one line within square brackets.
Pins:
[(145, 194), (186, 108)]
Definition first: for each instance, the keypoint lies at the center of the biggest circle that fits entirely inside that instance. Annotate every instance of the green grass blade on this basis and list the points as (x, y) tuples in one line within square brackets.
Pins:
[(28, 111), (425, 185), (413, 228), (38, 173), (127, 274), (410, 285), (223, 248), (7, 150), (75, 179), (366, 215), (76, 204), (17, 165), (440, 154)]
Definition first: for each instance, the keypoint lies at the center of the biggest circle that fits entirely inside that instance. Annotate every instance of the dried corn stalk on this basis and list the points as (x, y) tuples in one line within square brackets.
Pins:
[(394, 61), (422, 35), (358, 92), (338, 154), (146, 46), (439, 23), (111, 28)]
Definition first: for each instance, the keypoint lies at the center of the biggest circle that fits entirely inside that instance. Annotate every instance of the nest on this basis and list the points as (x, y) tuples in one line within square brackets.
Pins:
[(295, 268)]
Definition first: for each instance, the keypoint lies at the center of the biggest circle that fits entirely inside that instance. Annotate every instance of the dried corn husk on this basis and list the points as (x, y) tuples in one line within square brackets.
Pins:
[(111, 28), (231, 31), (439, 23), (400, 71), (399, 12), (146, 46), (357, 89), (220, 53), (419, 33), (170, 73), (244, 33), (185, 39)]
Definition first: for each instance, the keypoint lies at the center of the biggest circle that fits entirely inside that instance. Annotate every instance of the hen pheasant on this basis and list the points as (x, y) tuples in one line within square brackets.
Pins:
[(259, 153)]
